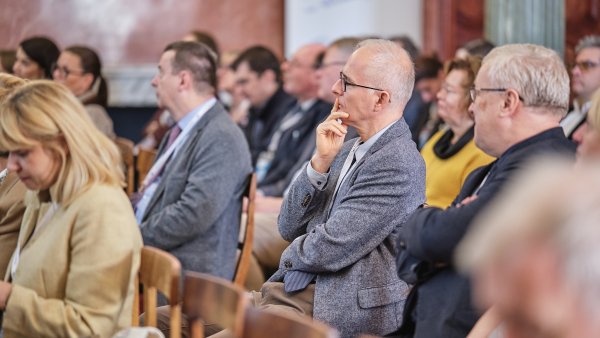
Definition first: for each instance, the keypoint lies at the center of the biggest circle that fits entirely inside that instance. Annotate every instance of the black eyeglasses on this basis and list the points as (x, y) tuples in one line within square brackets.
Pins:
[(584, 66), (64, 71), (346, 83), (474, 92)]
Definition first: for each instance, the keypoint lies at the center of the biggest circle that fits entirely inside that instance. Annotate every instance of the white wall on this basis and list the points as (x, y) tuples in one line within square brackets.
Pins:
[(326, 20)]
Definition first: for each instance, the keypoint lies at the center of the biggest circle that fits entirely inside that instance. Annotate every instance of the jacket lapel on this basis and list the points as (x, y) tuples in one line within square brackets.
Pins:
[(184, 151)]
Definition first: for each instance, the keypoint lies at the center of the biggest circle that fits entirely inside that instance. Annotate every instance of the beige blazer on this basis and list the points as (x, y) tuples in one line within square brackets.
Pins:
[(12, 193), (75, 276)]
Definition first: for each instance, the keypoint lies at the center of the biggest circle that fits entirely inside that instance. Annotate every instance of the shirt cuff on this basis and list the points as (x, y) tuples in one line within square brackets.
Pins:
[(318, 180)]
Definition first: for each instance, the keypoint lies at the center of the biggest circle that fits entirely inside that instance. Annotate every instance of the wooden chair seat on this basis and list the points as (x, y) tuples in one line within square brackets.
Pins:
[(264, 324), (160, 271), (209, 299)]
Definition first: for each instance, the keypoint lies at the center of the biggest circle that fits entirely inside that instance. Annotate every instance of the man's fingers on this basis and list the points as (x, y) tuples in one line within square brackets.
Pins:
[(337, 115)]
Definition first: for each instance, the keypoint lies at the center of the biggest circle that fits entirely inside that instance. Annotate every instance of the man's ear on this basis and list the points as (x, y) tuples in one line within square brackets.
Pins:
[(185, 79), (511, 102), (383, 99)]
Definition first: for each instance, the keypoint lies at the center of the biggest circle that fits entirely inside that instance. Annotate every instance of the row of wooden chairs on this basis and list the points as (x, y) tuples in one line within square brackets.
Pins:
[(209, 299), (134, 166)]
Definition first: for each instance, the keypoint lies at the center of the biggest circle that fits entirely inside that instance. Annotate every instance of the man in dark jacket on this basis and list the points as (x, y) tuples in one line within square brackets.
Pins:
[(258, 79), (520, 95)]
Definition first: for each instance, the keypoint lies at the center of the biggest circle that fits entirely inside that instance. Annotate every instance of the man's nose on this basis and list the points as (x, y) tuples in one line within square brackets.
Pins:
[(336, 89)]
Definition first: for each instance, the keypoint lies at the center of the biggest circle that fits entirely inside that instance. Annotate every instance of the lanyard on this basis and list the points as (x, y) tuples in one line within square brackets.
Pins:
[(162, 160)]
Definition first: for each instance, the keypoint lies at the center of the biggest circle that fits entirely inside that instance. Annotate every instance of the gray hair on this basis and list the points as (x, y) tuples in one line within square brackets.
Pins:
[(529, 212), (535, 72), (390, 68), (589, 41)]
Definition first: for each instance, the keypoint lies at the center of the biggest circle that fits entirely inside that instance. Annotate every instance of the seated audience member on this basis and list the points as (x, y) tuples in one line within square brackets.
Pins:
[(73, 272), (451, 154), (478, 48), (160, 123), (429, 77), (259, 80), (35, 57), (587, 136), (190, 204), (268, 244), (7, 61), (534, 257), (585, 81), (520, 94), (12, 190), (408, 44), (343, 213), (79, 69), (293, 134)]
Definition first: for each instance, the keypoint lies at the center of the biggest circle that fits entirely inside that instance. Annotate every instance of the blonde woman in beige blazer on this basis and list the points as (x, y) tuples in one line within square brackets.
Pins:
[(72, 274), (12, 191)]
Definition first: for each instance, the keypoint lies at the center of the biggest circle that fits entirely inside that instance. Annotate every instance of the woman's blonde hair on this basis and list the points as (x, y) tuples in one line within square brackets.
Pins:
[(47, 113), (9, 83)]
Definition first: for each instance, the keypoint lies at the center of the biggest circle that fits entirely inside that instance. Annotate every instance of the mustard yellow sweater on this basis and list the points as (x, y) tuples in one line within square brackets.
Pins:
[(445, 177)]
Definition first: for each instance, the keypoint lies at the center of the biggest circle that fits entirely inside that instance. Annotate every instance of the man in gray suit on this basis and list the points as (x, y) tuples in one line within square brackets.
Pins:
[(343, 213), (190, 201)]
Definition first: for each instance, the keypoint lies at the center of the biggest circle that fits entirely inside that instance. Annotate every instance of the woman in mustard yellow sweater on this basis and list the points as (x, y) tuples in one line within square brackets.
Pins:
[(450, 155)]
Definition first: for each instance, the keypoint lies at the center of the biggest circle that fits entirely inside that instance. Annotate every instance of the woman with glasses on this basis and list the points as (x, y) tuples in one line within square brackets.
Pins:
[(79, 69), (450, 155), (35, 57), (73, 271)]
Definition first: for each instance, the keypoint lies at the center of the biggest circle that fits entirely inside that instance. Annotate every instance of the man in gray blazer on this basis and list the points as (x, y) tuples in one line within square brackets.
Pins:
[(190, 204), (343, 213)]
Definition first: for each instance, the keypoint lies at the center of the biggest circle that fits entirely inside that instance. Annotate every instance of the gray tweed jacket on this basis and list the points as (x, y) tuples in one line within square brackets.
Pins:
[(195, 212), (353, 252)]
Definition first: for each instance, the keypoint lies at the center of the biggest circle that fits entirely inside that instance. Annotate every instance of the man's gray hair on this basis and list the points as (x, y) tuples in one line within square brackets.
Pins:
[(537, 73), (589, 41), (391, 69)]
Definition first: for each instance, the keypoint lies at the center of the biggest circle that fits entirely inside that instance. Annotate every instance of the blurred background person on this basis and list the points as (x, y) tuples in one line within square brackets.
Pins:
[(587, 136), (451, 154), (35, 57), (585, 80), (12, 190), (535, 257), (429, 77), (79, 68), (477, 47), (7, 61), (258, 79), (73, 272)]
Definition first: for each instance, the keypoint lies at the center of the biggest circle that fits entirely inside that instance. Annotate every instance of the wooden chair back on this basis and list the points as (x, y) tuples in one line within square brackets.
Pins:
[(264, 324), (209, 299), (159, 270), (126, 148), (145, 159), (246, 233)]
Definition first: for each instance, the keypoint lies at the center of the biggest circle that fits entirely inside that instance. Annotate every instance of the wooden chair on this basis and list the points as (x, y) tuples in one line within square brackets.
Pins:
[(209, 299), (143, 163), (264, 324), (246, 233), (126, 148), (160, 271)]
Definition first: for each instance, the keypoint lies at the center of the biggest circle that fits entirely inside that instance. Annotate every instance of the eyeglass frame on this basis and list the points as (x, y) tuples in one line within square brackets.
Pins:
[(473, 92), (64, 71), (585, 65), (345, 83)]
